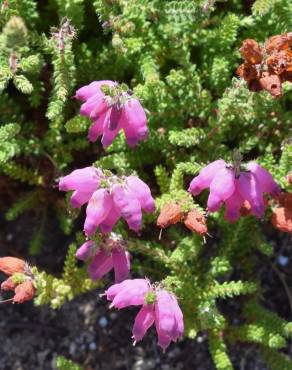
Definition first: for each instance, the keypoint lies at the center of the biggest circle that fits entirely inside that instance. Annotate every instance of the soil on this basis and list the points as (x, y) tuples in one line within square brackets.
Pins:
[(87, 332)]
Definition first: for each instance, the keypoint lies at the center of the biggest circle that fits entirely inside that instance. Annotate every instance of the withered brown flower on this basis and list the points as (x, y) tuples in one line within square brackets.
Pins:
[(196, 221), (170, 214), (251, 51), (268, 67), (282, 219), (24, 292), (11, 265), (271, 83), (278, 42)]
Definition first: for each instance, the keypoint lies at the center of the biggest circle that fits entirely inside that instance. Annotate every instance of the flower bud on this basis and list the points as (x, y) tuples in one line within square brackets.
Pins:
[(196, 222), (170, 214), (289, 178), (24, 292), (8, 285), (15, 32), (11, 265)]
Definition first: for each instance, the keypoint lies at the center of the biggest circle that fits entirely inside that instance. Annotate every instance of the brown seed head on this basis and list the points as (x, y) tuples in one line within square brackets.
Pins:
[(24, 292), (170, 214), (196, 222), (11, 265)]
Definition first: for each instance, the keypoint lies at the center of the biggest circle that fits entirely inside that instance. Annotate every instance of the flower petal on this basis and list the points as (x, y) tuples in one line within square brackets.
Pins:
[(97, 210), (100, 265), (121, 263), (143, 321)]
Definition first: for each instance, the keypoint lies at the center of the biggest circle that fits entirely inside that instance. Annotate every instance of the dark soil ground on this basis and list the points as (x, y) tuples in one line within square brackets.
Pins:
[(87, 332)]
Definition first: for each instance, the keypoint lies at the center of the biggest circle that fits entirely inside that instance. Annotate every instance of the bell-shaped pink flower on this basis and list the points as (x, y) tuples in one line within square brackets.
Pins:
[(85, 180), (140, 190), (233, 188), (233, 205), (129, 206), (168, 319), (250, 189), (109, 255), (128, 293), (205, 177), (143, 321), (158, 306), (97, 210), (118, 197), (221, 188), (265, 179), (112, 111)]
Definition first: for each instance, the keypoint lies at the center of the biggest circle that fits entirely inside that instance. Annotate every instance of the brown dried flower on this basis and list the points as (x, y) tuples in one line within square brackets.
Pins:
[(271, 83), (11, 265), (278, 42), (282, 219), (196, 221), (251, 51), (267, 68), (24, 292), (170, 214), (8, 285)]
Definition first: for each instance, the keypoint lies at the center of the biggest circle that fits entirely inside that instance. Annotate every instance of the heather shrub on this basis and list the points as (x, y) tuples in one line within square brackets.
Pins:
[(128, 159)]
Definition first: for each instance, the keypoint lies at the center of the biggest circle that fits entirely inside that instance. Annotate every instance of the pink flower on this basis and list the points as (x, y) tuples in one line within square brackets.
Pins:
[(158, 306), (112, 107), (232, 189), (110, 254), (108, 198)]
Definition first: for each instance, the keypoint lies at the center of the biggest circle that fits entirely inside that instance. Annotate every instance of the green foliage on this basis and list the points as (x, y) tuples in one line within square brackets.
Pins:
[(218, 351), (56, 291), (179, 58), (64, 364)]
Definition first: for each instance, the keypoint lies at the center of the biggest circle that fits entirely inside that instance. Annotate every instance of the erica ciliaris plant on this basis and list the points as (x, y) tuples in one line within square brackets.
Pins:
[(132, 109)]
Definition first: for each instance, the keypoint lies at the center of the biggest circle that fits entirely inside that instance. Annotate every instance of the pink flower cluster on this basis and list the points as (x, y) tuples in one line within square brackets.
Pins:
[(112, 108), (226, 186), (110, 254), (158, 306), (109, 198)]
